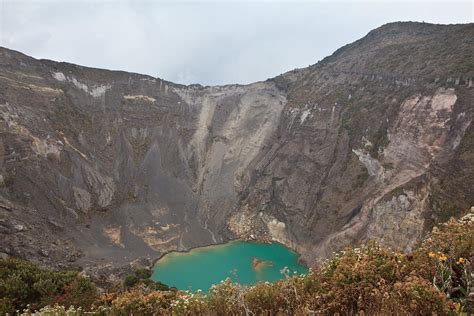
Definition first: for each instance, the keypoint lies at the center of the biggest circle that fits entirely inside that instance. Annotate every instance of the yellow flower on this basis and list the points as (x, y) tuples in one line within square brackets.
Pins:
[(442, 257), (432, 254), (461, 260)]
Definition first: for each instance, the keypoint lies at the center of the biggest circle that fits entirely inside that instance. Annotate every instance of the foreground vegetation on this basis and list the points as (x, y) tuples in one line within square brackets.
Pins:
[(436, 278)]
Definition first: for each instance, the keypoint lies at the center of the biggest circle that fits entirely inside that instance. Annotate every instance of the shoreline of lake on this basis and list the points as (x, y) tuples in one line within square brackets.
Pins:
[(201, 267)]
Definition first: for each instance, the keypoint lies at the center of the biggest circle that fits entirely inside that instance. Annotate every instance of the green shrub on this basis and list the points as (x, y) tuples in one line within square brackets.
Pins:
[(23, 283), (130, 281), (142, 277)]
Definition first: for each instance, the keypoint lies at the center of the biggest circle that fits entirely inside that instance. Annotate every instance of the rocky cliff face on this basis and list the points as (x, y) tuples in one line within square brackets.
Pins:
[(103, 167)]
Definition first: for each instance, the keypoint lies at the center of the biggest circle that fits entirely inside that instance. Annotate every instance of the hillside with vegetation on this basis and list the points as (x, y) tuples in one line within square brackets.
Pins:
[(436, 278)]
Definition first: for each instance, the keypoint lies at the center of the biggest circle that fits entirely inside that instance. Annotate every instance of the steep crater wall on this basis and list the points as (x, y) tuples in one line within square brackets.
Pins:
[(103, 167)]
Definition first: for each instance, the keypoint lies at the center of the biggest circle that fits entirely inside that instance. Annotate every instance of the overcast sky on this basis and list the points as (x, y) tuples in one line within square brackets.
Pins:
[(204, 42)]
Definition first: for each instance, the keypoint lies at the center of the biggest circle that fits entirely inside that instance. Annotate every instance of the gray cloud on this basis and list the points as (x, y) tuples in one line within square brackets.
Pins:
[(203, 42)]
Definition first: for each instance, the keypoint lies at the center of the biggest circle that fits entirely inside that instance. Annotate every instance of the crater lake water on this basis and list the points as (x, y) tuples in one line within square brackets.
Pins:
[(244, 262)]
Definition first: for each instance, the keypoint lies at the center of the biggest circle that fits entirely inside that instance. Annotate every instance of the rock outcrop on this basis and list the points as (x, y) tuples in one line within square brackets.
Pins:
[(103, 167)]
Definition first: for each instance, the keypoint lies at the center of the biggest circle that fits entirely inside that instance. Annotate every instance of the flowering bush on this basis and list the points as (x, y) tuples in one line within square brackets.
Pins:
[(227, 298), (446, 259), (187, 303), (140, 302)]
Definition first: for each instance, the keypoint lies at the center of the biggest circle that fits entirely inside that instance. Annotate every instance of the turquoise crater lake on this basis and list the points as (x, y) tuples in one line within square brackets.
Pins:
[(244, 262)]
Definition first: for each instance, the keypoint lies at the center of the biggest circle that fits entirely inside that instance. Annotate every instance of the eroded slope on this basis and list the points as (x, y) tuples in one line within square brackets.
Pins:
[(373, 142)]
